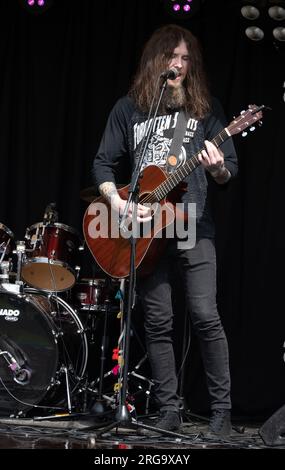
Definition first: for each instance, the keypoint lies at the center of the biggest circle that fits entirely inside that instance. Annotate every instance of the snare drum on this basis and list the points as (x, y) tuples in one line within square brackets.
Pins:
[(93, 294), (89, 294), (51, 255)]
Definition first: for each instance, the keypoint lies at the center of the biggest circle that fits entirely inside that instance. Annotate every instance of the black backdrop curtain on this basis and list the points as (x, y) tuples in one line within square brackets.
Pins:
[(60, 74)]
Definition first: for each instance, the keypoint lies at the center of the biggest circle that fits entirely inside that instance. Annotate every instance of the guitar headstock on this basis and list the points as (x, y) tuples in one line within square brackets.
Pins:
[(246, 119)]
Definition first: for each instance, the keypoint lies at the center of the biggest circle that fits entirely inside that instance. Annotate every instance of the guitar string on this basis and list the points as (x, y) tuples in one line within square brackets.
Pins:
[(167, 185)]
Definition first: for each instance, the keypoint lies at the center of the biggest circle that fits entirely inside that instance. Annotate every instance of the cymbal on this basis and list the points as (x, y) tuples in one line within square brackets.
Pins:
[(90, 193)]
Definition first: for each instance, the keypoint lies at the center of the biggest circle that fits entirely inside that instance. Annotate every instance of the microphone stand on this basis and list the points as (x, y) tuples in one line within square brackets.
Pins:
[(123, 414)]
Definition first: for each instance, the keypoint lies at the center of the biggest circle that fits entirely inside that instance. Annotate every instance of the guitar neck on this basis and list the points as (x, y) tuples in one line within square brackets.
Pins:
[(181, 173)]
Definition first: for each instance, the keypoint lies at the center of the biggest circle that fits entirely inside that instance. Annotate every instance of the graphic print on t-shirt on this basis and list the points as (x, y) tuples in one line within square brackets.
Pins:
[(160, 141)]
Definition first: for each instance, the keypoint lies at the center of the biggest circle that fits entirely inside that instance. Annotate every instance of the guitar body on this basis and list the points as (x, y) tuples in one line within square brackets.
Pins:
[(110, 249)]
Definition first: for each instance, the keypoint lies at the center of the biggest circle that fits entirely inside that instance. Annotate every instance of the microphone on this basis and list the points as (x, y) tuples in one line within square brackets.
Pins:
[(170, 74)]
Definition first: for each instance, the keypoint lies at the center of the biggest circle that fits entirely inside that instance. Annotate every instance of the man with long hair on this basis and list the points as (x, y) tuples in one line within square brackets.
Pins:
[(172, 47)]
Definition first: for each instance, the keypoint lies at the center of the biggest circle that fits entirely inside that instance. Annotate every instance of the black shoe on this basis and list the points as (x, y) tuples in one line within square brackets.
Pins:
[(168, 421), (220, 424)]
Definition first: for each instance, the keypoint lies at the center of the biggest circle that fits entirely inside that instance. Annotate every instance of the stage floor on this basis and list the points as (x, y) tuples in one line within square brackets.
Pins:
[(88, 433)]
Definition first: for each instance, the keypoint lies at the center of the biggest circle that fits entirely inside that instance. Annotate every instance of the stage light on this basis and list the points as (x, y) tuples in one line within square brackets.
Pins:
[(182, 9), (250, 12), (277, 13), (265, 21), (279, 33), (254, 33), (36, 6)]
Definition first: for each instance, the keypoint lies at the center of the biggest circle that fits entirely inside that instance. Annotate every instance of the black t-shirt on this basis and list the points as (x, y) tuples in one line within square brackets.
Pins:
[(124, 136)]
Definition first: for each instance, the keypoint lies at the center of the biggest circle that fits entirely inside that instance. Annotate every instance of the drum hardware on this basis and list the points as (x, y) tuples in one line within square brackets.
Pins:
[(5, 268), (58, 334), (50, 214), (69, 407), (92, 328), (2, 252), (99, 408), (13, 288), (6, 242), (102, 400), (142, 378), (111, 399), (20, 252), (77, 270), (20, 375)]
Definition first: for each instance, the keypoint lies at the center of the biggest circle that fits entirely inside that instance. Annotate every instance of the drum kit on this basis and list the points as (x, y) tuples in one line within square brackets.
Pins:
[(47, 316)]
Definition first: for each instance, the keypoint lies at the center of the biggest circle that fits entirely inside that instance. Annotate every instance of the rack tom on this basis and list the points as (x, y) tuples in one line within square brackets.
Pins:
[(51, 256)]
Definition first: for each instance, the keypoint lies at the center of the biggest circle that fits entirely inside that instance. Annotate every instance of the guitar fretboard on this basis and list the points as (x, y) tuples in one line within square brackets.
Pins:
[(181, 173)]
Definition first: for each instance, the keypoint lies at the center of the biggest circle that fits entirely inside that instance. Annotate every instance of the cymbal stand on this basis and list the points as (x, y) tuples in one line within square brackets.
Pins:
[(20, 251), (3, 252), (5, 267), (150, 383), (98, 407), (69, 406)]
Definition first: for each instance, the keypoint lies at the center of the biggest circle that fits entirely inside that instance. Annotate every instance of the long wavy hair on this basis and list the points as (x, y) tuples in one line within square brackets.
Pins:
[(155, 59)]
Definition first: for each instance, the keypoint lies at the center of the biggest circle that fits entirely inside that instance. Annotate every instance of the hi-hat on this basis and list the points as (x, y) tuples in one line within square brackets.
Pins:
[(89, 194)]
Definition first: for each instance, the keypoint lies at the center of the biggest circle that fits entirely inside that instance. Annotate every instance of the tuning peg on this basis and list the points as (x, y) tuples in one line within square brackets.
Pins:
[(243, 111), (260, 123), (252, 128), (244, 134)]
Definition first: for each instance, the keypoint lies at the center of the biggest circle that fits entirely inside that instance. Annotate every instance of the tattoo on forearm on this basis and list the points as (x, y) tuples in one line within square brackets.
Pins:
[(108, 190)]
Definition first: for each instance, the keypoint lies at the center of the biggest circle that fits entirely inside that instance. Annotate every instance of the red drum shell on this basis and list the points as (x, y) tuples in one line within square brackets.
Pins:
[(51, 257), (93, 294)]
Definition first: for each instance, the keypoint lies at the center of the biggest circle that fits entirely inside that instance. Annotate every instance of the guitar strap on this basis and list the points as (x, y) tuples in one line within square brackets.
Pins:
[(172, 160)]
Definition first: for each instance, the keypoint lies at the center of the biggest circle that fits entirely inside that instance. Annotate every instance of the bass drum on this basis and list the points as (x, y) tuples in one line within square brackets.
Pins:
[(43, 347)]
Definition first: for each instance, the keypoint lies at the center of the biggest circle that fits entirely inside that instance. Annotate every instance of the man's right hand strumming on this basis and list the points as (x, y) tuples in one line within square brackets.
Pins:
[(109, 191)]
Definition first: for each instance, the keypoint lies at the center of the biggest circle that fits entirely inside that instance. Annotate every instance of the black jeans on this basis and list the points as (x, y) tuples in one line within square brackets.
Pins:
[(199, 272)]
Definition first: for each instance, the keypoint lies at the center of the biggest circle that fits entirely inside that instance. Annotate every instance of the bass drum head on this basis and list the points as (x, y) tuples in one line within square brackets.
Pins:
[(39, 337)]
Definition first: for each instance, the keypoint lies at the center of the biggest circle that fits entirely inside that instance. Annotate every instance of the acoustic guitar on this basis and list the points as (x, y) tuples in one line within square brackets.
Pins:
[(110, 244)]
